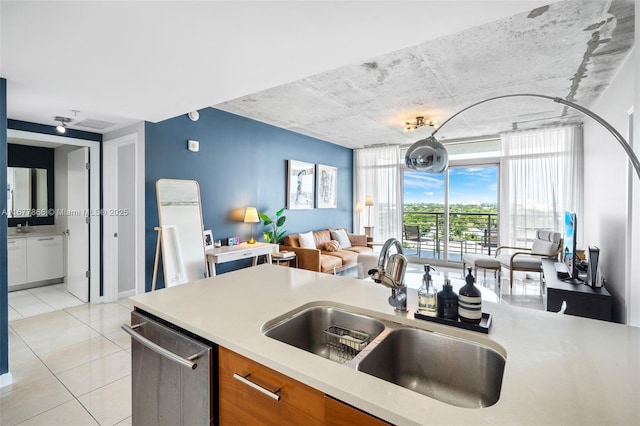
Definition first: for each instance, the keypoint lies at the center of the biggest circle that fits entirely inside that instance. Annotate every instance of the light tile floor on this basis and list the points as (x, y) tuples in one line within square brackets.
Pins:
[(71, 365), (40, 300)]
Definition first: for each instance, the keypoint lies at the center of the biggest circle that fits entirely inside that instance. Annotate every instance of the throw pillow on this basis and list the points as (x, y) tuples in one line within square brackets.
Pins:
[(341, 236), (332, 245), (306, 240)]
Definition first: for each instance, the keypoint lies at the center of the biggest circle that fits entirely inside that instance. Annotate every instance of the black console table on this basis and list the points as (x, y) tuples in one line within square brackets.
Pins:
[(582, 300)]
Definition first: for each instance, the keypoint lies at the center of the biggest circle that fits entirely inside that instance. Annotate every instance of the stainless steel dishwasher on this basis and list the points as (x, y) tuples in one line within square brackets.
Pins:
[(173, 378)]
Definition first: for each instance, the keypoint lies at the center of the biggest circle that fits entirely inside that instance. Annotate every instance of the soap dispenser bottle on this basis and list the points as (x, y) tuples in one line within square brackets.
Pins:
[(448, 302), (427, 295), (470, 301)]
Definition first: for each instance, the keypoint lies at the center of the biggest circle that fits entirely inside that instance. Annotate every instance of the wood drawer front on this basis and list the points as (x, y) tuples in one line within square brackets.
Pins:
[(340, 414), (299, 404)]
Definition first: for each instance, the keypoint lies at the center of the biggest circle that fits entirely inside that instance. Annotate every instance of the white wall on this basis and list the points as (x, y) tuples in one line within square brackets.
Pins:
[(607, 220), (633, 317)]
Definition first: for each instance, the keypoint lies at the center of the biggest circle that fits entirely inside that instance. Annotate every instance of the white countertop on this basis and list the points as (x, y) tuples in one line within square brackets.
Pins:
[(559, 369)]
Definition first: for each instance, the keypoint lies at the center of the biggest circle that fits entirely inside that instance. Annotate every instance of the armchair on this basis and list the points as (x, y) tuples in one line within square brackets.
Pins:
[(548, 244)]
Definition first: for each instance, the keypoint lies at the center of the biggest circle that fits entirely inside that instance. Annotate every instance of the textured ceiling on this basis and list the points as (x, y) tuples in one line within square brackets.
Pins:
[(569, 49), (119, 62)]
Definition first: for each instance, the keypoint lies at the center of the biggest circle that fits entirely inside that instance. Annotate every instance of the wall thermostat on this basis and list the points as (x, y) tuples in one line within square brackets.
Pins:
[(193, 146)]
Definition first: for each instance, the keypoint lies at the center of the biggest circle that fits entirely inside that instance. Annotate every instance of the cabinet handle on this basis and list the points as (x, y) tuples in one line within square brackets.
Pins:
[(248, 382), (45, 239)]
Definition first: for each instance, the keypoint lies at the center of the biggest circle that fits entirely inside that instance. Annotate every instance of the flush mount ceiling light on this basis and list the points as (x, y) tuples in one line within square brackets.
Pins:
[(194, 115), (430, 156), (420, 121), (62, 127)]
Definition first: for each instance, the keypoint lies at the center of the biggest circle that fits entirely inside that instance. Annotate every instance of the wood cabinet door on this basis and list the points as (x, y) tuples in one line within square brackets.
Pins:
[(338, 413), (243, 403)]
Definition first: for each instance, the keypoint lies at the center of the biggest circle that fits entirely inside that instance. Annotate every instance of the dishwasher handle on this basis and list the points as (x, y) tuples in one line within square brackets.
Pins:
[(159, 349)]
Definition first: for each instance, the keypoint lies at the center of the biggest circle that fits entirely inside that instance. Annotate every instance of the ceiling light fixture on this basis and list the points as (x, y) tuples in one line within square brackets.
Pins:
[(62, 127), (430, 156), (420, 121)]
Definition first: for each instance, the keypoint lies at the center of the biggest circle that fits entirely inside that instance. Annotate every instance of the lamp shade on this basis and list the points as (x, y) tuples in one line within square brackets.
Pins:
[(368, 201), (358, 207), (427, 155), (251, 215)]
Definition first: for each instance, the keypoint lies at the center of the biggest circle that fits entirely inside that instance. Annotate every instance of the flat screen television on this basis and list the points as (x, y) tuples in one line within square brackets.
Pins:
[(569, 255)]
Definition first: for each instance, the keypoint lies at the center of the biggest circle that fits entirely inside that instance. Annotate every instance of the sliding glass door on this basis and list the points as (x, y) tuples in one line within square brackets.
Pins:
[(472, 211), (447, 215)]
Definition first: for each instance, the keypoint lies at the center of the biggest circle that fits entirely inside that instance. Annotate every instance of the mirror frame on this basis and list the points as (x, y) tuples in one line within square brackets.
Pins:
[(33, 157)]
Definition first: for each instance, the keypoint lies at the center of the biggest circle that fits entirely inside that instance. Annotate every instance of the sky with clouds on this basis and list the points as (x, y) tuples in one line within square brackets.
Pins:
[(468, 185)]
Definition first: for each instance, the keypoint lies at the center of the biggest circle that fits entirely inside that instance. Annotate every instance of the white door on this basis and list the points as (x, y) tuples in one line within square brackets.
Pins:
[(120, 228), (77, 226)]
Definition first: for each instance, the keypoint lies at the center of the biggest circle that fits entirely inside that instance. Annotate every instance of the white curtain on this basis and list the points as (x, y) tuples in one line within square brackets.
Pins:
[(377, 174), (540, 179)]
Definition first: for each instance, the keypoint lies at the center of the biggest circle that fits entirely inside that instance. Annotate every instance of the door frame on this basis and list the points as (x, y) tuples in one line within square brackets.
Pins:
[(94, 198), (110, 194)]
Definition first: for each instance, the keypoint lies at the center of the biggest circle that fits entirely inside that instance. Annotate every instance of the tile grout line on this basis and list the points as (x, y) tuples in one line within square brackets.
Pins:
[(61, 382)]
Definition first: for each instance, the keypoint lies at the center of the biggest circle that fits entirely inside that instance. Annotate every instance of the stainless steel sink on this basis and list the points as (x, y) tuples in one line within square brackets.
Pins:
[(455, 371), (326, 331), (460, 373)]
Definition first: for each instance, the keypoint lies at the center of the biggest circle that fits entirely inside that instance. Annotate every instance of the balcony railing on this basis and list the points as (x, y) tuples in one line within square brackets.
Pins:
[(469, 233)]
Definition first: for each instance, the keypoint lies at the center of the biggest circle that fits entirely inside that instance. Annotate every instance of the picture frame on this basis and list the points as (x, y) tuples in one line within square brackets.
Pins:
[(327, 187), (300, 185), (233, 241), (208, 238)]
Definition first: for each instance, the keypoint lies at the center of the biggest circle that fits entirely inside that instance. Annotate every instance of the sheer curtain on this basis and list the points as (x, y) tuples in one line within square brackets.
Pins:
[(377, 173), (540, 179)]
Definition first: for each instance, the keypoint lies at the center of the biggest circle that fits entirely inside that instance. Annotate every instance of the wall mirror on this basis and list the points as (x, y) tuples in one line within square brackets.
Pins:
[(181, 231), (26, 192), (30, 175)]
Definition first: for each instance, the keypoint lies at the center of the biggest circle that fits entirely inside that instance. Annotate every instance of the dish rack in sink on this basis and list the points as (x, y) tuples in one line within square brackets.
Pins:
[(344, 344)]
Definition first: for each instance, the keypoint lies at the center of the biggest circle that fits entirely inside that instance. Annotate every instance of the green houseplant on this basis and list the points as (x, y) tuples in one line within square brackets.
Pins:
[(277, 222)]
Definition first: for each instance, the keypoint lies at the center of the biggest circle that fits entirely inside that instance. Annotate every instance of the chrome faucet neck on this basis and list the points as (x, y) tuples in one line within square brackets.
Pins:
[(390, 273)]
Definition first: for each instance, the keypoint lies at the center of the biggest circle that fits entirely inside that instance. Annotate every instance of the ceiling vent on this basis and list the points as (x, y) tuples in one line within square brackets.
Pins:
[(90, 123)]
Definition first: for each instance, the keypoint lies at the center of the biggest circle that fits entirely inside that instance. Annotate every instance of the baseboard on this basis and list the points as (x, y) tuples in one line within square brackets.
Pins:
[(5, 379), (125, 294)]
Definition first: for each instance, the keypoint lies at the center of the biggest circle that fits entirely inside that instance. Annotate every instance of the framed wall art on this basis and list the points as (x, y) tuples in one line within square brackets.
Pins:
[(208, 238), (327, 186), (300, 185)]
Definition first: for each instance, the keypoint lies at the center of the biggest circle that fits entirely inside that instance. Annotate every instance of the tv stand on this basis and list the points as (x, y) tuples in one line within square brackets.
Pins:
[(574, 281), (582, 299)]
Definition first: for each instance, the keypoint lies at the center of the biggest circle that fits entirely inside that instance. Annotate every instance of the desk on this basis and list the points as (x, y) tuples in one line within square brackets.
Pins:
[(241, 251), (582, 300)]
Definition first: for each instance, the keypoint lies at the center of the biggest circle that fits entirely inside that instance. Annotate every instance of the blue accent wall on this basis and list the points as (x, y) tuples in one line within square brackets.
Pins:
[(4, 298), (241, 162)]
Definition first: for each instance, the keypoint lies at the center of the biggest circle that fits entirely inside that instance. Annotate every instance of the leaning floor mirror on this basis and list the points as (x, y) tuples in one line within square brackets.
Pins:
[(181, 231)]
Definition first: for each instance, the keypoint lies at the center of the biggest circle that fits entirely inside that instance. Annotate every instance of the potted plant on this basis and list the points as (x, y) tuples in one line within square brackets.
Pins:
[(277, 222)]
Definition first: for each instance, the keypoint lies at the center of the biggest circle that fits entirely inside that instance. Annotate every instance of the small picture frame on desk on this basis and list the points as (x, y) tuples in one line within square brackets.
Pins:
[(208, 238), (234, 241)]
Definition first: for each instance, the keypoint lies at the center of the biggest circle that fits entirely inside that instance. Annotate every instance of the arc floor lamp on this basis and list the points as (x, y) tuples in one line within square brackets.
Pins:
[(430, 156)]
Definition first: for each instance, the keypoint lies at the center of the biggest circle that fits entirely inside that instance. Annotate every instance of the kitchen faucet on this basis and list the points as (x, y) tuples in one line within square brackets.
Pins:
[(390, 273)]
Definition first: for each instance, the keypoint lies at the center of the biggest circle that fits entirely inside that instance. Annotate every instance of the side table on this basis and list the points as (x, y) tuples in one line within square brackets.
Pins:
[(282, 257)]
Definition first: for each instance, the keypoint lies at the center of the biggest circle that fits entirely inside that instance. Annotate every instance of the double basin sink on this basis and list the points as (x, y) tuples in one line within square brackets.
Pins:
[(455, 371)]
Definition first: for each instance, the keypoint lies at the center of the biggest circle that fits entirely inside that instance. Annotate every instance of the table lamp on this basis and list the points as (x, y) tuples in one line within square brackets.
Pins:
[(251, 216), (368, 230)]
